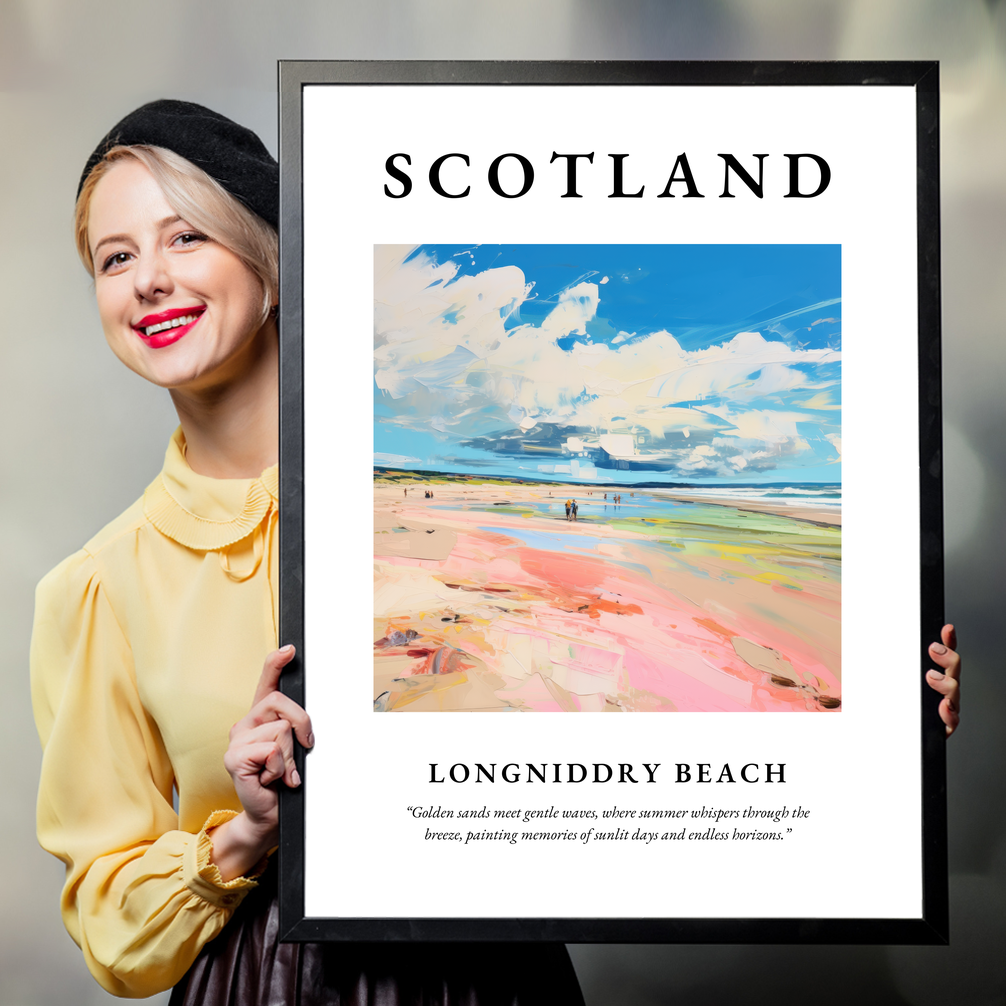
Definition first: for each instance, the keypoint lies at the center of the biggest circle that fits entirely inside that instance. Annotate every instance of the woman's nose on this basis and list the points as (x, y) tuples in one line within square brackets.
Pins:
[(152, 277)]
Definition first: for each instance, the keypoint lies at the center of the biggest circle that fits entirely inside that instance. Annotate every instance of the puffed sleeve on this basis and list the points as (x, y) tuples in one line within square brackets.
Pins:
[(141, 898)]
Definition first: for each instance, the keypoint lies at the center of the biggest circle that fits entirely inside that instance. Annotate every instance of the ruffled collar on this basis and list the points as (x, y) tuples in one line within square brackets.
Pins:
[(202, 513)]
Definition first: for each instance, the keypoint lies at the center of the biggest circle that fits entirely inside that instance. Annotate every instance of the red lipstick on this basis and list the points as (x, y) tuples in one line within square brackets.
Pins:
[(166, 327)]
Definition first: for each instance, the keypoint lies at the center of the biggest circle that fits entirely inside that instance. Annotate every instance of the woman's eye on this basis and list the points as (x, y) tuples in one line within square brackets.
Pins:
[(190, 238), (114, 261)]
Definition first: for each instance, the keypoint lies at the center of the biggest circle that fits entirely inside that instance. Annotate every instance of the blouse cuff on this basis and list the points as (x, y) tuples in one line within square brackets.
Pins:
[(202, 876)]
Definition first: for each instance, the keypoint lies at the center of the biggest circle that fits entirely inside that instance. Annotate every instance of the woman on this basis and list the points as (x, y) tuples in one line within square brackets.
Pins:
[(149, 642)]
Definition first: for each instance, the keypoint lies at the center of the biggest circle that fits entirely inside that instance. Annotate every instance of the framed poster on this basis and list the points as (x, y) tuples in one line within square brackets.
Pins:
[(612, 389)]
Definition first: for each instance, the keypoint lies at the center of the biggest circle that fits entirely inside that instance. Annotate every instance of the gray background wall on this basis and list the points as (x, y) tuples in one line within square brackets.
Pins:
[(81, 436)]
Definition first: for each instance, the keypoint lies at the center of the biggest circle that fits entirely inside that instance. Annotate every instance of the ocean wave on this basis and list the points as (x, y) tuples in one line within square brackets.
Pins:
[(824, 496)]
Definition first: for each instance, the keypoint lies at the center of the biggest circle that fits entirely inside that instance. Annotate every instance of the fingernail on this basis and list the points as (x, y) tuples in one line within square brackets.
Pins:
[(938, 648), (287, 649), (936, 675), (310, 740), (295, 777)]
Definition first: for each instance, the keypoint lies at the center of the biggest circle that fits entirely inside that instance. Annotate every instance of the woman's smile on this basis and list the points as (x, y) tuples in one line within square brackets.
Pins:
[(166, 327)]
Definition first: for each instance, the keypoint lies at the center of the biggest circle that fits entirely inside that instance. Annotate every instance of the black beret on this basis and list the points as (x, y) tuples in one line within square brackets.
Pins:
[(230, 154)]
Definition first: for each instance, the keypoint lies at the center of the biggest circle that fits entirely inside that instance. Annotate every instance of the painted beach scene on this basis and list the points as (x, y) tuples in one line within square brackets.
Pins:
[(607, 478)]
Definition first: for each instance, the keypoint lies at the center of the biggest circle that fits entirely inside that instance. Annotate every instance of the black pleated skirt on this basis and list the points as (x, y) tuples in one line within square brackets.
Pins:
[(246, 965)]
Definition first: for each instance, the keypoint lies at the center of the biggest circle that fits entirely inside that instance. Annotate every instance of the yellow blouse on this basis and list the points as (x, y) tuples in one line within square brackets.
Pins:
[(147, 647)]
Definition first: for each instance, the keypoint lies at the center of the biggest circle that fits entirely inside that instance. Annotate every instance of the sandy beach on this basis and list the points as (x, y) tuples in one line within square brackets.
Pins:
[(487, 599)]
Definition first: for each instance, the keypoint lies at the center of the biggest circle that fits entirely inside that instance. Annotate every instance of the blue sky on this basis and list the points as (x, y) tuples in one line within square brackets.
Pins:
[(610, 363)]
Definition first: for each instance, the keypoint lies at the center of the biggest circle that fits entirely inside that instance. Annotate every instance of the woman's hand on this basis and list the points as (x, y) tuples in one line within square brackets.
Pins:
[(948, 681), (260, 753)]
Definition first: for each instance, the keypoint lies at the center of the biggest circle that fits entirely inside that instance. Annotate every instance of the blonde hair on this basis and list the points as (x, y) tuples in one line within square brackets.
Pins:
[(199, 200)]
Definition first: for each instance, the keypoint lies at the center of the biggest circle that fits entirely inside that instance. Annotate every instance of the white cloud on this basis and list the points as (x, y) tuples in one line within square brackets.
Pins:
[(760, 424), (729, 369), (442, 338), (576, 307), (620, 444)]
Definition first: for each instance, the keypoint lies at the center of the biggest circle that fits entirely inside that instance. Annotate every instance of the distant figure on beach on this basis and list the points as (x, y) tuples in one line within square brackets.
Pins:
[(569, 505), (605, 495), (574, 508)]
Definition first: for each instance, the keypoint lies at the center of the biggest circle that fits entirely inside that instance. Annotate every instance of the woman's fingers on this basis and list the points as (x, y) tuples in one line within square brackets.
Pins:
[(261, 749), (944, 684), (270, 703), (950, 716), (279, 736), (271, 670), (274, 766), (949, 660), (947, 680), (949, 636), (949, 709), (277, 706), (261, 761)]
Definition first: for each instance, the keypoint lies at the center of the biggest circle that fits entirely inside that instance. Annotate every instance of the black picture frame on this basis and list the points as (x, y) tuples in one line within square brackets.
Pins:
[(932, 926)]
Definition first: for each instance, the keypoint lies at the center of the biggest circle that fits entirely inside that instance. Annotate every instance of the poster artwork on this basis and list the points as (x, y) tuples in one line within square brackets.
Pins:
[(607, 478)]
